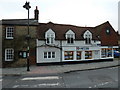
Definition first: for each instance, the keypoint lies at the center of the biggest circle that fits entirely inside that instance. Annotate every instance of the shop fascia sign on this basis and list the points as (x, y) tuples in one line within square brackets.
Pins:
[(82, 48)]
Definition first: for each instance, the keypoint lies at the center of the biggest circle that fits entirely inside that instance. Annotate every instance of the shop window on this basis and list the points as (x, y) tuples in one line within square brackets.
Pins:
[(103, 53), (88, 54), (106, 52), (109, 52), (68, 55), (78, 55)]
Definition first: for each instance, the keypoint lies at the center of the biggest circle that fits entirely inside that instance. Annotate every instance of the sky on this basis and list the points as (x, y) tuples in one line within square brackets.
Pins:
[(75, 12)]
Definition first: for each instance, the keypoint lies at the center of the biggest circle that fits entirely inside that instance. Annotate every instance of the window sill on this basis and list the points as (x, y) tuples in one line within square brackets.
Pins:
[(8, 60), (9, 38)]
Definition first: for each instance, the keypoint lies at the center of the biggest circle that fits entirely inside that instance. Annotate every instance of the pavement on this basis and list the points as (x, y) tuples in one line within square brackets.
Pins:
[(54, 69)]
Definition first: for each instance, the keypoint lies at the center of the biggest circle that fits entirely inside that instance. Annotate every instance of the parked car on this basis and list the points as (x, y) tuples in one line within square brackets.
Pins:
[(116, 53)]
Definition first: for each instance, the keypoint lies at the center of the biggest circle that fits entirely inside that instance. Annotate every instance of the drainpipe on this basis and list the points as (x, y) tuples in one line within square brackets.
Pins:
[(61, 50)]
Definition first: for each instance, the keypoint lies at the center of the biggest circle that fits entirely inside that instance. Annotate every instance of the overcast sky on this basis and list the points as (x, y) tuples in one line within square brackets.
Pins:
[(74, 12)]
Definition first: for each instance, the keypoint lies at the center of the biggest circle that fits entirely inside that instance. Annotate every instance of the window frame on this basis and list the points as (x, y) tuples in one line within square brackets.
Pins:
[(87, 40), (70, 38), (9, 32), (78, 57), (68, 55), (9, 52), (49, 55), (50, 39), (88, 54), (106, 52)]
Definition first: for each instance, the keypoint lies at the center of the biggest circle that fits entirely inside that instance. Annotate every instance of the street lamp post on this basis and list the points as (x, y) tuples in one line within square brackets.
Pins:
[(27, 6)]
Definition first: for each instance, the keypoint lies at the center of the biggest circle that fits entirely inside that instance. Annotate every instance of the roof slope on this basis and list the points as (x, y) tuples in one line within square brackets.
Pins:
[(19, 22), (61, 29), (107, 39)]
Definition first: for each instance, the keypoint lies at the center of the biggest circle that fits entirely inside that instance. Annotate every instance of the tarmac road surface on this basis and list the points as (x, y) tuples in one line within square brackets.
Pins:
[(99, 78)]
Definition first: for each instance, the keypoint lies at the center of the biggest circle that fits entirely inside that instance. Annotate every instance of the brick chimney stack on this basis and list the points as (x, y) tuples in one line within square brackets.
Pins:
[(36, 13)]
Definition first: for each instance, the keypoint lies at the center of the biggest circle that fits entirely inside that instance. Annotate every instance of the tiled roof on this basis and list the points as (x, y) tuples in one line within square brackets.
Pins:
[(19, 22), (61, 29), (107, 39), (98, 32)]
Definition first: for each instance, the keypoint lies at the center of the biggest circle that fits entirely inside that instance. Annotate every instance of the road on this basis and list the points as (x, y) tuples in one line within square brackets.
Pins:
[(99, 78)]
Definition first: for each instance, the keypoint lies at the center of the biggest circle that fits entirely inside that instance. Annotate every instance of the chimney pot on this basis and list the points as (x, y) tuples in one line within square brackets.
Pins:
[(36, 13)]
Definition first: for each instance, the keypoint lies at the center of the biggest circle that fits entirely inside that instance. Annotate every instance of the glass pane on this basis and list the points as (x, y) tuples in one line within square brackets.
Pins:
[(88, 54), (49, 54), (45, 54), (68, 55), (53, 54), (78, 55)]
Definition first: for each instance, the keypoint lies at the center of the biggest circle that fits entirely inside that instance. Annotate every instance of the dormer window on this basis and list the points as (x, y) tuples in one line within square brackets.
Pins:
[(87, 40), (70, 36), (88, 37), (50, 37), (70, 39)]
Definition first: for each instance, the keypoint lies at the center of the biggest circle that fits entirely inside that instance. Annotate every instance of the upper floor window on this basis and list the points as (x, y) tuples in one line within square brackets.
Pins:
[(88, 37), (87, 40), (50, 37), (9, 54), (70, 36), (9, 32)]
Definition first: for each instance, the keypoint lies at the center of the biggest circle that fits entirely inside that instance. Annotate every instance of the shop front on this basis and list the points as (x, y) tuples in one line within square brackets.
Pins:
[(81, 53)]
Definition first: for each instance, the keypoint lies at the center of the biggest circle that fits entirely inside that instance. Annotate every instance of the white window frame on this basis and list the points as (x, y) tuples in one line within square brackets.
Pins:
[(9, 32), (88, 37), (9, 52), (71, 37), (49, 55), (50, 37)]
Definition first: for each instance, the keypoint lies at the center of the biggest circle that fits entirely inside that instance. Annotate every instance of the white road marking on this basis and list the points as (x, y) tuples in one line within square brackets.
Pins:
[(90, 87), (101, 84), (0, 80), (37, 85), (15, 86), (49, 84), (41, 78)]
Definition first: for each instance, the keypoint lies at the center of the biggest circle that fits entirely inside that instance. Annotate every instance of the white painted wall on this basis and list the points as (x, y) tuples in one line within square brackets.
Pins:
[(68, 47), (40, 54)]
